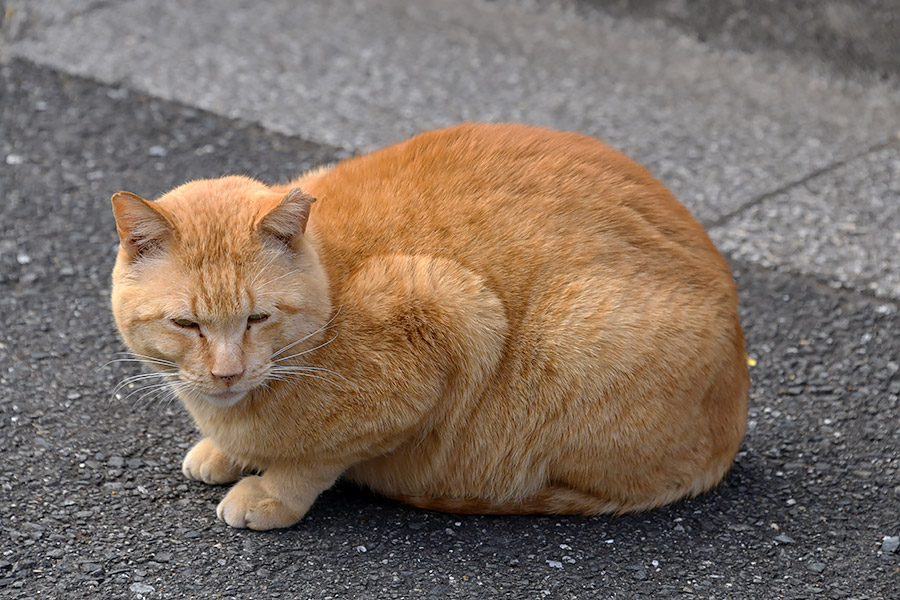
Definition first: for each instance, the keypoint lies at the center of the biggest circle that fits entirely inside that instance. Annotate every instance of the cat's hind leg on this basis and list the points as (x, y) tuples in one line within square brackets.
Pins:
[(207, 463)]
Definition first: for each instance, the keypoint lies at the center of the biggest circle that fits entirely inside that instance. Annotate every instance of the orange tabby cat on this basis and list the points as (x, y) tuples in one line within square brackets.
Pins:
[(486, 319)]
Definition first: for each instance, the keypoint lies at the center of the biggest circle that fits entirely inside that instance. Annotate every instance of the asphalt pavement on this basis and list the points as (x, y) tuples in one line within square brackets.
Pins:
[(794, 166)]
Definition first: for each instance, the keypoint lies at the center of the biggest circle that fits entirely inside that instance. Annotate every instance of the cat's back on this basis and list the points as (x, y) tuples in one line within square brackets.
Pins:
[(516, 204)]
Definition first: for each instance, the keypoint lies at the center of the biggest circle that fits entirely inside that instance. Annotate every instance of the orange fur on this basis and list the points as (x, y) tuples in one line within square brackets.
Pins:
[(494, 319)]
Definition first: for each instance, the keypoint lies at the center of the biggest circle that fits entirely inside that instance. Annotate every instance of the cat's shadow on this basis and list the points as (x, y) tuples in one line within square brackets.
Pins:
[(737, 500)]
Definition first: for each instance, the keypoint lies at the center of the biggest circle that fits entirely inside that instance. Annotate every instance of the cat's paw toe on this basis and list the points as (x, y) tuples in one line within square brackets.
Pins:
[(248, 505), (205, 462)]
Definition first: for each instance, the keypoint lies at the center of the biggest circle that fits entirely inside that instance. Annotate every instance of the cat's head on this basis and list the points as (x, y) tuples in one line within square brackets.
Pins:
[(213, 279)]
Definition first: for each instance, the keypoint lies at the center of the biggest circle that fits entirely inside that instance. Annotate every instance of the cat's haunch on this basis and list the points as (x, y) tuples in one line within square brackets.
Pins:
[(486, 319)]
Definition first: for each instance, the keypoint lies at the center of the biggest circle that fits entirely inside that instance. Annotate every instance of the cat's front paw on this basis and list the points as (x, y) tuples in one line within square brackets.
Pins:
[(248, 505), (205, 462)]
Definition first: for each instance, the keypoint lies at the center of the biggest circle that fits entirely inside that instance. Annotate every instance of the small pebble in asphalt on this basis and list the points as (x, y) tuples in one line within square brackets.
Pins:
[(142, 588), (890, 543), (816, 567), (784, 539)]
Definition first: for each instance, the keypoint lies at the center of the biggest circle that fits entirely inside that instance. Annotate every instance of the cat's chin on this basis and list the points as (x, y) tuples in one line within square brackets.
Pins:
[(225, 399)]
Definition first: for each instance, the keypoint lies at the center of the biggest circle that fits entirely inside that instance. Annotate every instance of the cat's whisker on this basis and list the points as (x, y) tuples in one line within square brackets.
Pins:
[(146, 359), (306, 369), (303, 339), (186, 389), (130, 384), (116, 395), (322, 345), (309, 372), (140, 377), (165, 398), (159, 363), (150, 391), (135, 357), (134, 354), (272, 258), (170, 390), (301, 372), (173, 391), (273, 280), (136, 378), (146, 391)]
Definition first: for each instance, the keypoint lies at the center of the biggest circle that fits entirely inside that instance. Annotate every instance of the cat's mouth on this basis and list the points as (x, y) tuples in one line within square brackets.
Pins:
[(226, 398)]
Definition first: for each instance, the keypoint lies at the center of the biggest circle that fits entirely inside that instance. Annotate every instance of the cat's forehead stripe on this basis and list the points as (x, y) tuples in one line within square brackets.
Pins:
[(216, 300), (216, 220)]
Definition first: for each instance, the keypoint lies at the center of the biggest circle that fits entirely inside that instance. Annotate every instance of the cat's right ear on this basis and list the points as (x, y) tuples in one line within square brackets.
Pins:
[(141, 225)]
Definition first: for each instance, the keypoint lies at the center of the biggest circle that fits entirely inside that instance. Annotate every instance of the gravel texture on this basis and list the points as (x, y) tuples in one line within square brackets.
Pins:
[(855, 37), (95, 506), (842, 226)]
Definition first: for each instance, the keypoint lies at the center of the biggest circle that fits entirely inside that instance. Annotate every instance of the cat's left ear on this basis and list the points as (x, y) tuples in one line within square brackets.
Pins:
[(286, 219)]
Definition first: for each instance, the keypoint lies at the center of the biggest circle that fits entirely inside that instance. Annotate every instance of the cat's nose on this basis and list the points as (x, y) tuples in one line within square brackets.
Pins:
[(228, 378)]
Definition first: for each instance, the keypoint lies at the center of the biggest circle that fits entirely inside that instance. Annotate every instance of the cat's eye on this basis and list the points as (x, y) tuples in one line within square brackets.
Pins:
[(186, 323), (257, 318)]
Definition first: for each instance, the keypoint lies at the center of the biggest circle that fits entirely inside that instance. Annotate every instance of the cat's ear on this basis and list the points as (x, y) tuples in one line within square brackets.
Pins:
[(142, 226), (286, 219)]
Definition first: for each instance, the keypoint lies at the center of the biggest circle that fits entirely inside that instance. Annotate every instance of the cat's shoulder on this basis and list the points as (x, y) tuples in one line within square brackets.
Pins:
[(424, 299), (388, 284)]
